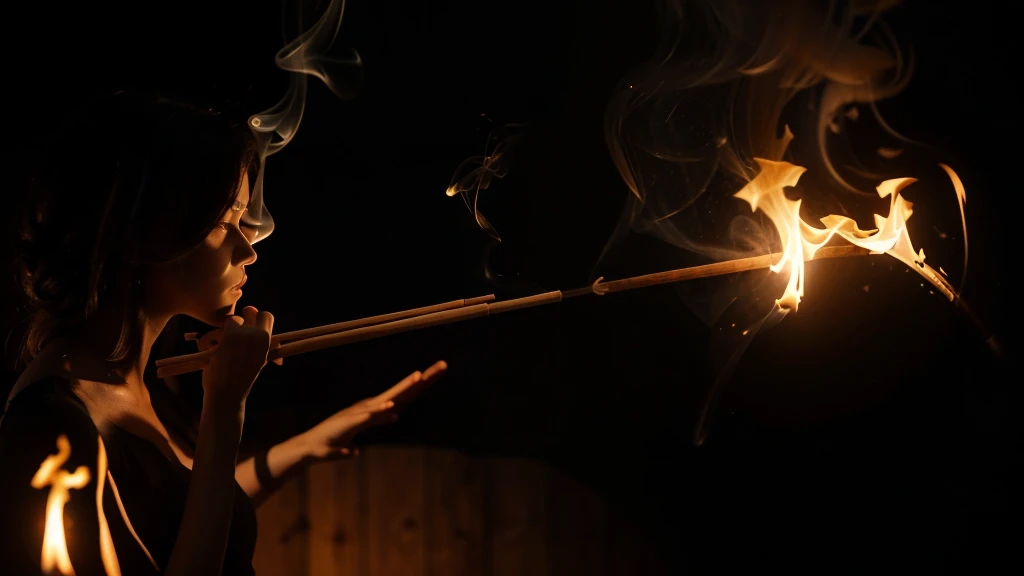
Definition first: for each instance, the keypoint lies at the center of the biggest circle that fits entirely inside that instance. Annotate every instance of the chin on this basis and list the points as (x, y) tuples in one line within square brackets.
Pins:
[(218, 316)]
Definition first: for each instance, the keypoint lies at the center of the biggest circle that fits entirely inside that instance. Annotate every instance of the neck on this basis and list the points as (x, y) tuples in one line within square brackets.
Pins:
[(134, 366), (87, 352)]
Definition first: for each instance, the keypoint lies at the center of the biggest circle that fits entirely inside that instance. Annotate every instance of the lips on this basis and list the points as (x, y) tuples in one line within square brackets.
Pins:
[(242, 283)]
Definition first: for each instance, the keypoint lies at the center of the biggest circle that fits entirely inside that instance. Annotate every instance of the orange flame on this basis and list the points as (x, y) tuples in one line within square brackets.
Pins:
[(55, 546), (800, 240)]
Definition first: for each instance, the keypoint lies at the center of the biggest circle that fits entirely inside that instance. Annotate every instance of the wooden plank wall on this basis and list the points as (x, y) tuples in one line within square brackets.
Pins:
[(412, 511)]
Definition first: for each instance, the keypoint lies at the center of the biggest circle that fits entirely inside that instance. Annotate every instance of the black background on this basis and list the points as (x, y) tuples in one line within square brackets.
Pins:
[(871, 429)]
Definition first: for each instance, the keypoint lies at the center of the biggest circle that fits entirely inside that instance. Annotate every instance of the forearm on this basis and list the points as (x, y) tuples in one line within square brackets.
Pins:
[(206, 521), (278, 464)]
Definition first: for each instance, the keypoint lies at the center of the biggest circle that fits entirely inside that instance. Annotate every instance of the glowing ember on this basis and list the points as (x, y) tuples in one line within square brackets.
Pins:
[(800, 240), (55, 546)]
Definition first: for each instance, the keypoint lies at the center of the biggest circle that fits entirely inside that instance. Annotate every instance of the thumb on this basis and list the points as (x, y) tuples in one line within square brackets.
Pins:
[(232, 323), (236, 320)]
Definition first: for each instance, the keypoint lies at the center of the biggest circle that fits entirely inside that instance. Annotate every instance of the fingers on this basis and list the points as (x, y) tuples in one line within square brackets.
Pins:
[(249, 314), (361, 422), (341, 453), (436, 370), (260, 318), (414, 383), (265, 320), (376, 419), (381, 418), (396, 390), (369, 419), (374, 404), (372, 419), (231, 326)]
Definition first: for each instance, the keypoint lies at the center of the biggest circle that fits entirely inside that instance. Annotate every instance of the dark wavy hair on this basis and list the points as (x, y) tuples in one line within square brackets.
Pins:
[(132, 179)]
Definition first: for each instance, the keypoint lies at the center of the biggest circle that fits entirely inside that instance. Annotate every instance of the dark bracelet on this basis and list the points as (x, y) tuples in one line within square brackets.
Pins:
[(263, 474)]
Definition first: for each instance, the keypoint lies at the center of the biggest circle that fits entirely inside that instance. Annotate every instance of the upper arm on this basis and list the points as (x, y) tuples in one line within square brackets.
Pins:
[(53, 461)]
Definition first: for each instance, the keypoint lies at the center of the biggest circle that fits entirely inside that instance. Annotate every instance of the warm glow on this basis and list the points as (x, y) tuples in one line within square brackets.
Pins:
[(107, 552), (800, 240), (55, 546)]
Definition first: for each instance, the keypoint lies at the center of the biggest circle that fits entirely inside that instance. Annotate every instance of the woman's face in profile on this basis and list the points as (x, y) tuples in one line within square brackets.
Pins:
[(206, 283)]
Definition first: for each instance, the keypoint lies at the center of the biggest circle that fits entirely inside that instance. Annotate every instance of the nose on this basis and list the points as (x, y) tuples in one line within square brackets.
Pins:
[(244, 253)]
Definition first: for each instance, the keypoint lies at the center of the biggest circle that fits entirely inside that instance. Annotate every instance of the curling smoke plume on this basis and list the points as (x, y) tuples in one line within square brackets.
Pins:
[(737, 85), (310, 54), (476, 173)]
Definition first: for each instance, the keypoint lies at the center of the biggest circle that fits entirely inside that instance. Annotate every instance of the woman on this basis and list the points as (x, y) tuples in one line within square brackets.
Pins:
[(138, 220)]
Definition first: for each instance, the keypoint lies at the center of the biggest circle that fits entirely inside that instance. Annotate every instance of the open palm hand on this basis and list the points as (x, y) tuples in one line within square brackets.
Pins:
[(333, 437)]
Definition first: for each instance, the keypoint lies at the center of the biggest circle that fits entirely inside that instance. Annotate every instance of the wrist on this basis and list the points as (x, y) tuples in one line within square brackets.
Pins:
[(305, 447), (223, 411)]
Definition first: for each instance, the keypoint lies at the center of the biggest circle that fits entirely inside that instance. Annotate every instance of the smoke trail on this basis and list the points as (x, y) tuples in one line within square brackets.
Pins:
[(728, 80), (477, 172), (305, 56)]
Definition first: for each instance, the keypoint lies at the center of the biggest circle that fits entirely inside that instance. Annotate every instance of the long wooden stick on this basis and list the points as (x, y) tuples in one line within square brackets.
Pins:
[(601, 287), (319, 338), (379, 319)]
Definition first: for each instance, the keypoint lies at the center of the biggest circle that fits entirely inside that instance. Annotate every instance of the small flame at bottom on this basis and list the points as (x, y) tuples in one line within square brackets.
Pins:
[(55, 545), (800, 240)]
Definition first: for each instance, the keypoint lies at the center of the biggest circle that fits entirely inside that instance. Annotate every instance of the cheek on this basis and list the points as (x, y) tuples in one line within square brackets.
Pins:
[(199, 275), (197, 284), (205, 268)]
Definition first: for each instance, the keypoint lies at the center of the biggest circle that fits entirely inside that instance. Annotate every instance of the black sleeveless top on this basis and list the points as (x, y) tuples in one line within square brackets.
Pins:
[(152, 489)]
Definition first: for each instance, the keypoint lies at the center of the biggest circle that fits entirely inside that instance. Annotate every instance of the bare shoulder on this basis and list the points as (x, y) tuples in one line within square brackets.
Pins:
[(41, 410)]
